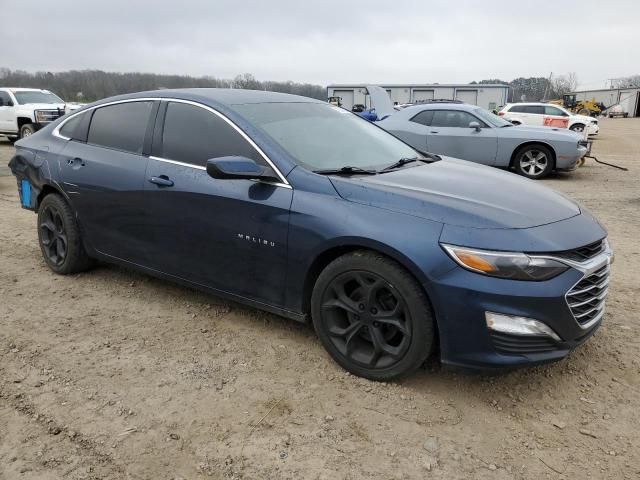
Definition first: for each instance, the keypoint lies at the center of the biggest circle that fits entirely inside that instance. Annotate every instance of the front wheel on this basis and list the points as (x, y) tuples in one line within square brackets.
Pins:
[(534, 161), (59, 237), (27, 130), (578, 127), (372, 316)]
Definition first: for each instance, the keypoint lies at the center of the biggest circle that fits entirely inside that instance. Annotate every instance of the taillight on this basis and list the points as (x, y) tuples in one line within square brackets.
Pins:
[(501, 114)]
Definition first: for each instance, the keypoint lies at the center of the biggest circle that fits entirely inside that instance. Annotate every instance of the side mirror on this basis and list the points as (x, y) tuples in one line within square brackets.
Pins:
[(238, 168), (475, 126)]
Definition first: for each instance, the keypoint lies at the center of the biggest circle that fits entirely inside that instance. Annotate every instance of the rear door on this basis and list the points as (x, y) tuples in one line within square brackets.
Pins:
[(449, 134), (102, 167), (230, 235), (8, 122), (533, 115)]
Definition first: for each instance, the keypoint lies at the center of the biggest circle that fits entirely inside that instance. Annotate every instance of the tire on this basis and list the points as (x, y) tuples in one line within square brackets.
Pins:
[(27, 130), (534, 161), (372, 317), (59, 237), (584, 111), (577, 127)]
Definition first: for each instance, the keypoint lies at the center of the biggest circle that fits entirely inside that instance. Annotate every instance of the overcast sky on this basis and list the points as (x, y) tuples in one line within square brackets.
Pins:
[(328, 41)]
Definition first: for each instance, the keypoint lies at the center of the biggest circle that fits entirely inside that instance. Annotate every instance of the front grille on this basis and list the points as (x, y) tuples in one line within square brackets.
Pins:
[(581, 254), (522, 344), (586, 298)]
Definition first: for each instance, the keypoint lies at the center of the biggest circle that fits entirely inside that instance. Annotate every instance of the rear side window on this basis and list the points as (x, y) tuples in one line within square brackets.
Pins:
[(121, 126), (71, 128), (194, 135), (535, 109), (454, 118), (5, 99), (424, 117)]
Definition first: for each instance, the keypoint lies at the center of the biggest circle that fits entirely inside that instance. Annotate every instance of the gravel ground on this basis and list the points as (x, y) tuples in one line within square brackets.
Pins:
[(112, 374)]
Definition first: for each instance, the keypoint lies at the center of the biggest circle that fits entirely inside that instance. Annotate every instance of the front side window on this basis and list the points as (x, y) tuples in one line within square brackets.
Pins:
[(36, 96), (453, 118), (320, 136), (194, 135), (553, 111), (423, 118), (516, 109), (121, 126)]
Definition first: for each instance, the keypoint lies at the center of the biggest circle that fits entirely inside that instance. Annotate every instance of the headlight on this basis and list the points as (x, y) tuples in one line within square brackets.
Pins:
[(40, 116), (511, 265)]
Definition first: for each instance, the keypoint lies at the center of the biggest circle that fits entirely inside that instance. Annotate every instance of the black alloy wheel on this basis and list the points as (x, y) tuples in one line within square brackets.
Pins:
[(59, 237), (53, 236), (372, 316)]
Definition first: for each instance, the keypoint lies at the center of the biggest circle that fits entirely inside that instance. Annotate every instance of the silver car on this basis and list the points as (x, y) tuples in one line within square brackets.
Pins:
[(472, 133)]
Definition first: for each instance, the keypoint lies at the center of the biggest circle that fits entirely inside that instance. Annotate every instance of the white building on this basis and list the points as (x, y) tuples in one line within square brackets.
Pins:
[(486, 96), (628, 98)]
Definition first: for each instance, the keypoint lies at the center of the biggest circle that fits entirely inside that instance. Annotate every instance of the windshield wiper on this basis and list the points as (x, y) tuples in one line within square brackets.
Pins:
[(347, 170), (404, 161)]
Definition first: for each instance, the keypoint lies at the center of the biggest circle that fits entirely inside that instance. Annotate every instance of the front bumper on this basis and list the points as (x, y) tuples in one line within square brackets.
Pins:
[(593, 129), (461, 299)]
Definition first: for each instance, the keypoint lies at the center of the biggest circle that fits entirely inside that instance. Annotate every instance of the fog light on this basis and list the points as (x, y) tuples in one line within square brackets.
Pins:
[(514, 325)]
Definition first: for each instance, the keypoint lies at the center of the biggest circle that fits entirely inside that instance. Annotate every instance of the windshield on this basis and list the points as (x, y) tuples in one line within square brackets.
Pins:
[(36, 96), (491, 119), (320, 136)]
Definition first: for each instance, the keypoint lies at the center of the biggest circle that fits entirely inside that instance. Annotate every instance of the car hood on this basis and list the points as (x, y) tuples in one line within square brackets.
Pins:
[(582, 118), (42, 106), (534, 132), (456, 192)]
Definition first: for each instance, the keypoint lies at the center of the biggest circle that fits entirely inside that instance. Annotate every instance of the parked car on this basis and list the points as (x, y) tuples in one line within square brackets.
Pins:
[(25, 110), (616, 111), (306, 210), (546, 115), (472, 133)]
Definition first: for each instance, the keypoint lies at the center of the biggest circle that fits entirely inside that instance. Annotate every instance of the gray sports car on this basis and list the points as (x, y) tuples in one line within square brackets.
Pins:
[(472, 133)]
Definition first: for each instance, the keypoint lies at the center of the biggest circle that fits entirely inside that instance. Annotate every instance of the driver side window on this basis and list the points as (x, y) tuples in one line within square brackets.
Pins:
[(194, 135), (454, 118)]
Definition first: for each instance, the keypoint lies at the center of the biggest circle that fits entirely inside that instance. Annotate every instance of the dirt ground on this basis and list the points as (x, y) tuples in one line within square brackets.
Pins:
[(111, 374)]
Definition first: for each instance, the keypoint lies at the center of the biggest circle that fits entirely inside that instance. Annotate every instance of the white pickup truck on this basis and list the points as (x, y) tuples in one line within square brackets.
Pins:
[(25, 110)]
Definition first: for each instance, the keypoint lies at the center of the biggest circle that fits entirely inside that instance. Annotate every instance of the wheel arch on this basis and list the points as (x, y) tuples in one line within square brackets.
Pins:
[(529, 143), (23, 121), (47, 189), (344, 246)]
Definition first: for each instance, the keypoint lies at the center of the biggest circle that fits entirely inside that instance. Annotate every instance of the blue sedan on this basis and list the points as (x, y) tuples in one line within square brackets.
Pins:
[(308, 211)]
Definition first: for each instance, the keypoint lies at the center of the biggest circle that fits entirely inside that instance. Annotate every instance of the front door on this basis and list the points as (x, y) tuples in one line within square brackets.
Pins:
[(450, 134), (230, 235)]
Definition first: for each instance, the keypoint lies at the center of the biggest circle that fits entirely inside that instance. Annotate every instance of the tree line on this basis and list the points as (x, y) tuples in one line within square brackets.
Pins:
[(91, 85)]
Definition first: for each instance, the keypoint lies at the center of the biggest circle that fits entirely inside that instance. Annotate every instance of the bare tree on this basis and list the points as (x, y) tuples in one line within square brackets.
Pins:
[(626, 82), (562, 84)]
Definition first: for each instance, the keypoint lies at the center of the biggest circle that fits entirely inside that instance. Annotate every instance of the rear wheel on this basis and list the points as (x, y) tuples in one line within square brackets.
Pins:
[(27, 130), (59, 237), (534, 161), (372, 316)]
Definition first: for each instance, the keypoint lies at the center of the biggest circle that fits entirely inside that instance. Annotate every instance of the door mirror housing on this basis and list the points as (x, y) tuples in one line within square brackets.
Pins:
[(238, 168), (475, 126)]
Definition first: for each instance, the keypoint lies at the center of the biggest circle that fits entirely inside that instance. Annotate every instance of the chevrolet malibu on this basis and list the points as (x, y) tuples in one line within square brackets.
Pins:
[(303, 209)]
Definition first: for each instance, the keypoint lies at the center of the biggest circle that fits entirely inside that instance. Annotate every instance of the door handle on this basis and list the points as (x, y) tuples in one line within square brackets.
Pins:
[(434, 131), (76, 162), (162, 181)]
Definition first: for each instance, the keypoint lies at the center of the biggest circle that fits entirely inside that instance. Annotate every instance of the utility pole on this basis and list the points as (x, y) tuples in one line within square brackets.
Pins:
[(546, 87)]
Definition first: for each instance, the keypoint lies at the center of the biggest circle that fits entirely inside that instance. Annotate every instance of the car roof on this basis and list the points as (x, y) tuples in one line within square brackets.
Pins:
[(442, 106), (22, 89), (220, 96)]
